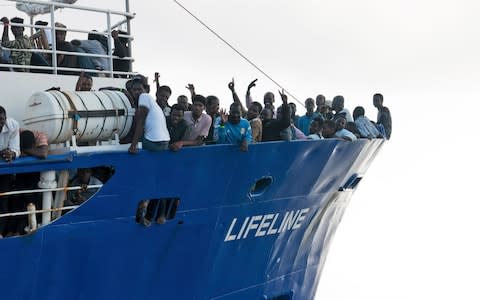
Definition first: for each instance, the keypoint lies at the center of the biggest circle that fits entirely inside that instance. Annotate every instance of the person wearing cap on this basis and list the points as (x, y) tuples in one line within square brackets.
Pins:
[(66, 61), (48, 33), (21, 42), (150, 123), (60, 32)]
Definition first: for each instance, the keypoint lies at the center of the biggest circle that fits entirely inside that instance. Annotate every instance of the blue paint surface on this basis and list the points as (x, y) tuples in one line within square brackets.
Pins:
[(98, 251)]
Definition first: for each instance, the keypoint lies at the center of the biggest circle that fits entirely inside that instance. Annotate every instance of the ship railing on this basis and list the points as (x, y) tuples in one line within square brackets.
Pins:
[(54, 68), (47, 203)]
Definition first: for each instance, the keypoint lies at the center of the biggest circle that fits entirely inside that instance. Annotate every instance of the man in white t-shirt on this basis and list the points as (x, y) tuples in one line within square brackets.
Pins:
[(342, 132), (150, 122)]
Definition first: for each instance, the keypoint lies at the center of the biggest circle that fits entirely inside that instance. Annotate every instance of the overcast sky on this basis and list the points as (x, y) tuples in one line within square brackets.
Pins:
[(412, 229)]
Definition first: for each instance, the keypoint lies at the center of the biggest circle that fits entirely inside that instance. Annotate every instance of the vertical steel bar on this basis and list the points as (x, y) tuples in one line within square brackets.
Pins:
[(109, 35), (31, 23), (129, 31), (54, 39)]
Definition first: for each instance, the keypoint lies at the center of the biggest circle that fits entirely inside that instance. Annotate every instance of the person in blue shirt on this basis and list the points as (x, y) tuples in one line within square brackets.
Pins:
[(304, 121), (234, 129)]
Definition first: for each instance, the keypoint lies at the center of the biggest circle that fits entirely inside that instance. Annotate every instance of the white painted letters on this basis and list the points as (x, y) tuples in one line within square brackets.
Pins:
[(264, 225), (230, 236)]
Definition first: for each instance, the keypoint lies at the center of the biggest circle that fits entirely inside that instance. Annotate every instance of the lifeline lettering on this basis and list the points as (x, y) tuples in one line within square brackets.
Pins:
[(263, 225)]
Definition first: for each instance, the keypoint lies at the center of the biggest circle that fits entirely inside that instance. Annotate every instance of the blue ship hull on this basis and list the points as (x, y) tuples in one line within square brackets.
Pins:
[(98, 251)]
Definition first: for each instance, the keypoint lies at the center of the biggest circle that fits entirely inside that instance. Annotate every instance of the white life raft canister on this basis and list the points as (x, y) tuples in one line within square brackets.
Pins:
[(91, 116)]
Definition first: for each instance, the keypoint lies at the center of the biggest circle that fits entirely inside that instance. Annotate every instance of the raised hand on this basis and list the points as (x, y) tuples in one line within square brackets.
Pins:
[(190, 87), (223, 115), (80, 81), (157, 76), (283, 96), (231, 85), (252, 84)]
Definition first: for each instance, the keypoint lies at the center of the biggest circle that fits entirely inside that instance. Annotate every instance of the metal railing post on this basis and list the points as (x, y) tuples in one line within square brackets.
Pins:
[(31, 23), (54, 40), (129, 52), (47, 181), (109, 35), (32, 218), (60, 196)]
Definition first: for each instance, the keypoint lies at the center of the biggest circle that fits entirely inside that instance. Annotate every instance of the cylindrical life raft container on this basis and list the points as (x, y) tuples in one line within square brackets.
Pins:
[(90, 116)]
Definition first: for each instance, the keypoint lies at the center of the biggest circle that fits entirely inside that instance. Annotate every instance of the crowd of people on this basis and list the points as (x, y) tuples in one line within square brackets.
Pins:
[(160, 126), (95, 44)]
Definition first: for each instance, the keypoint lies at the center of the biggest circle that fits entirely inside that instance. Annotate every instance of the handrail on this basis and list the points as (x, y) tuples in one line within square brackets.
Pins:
[(68, 188), (67, 53), (23, 213), (78, 7), (54, 67), (118, 24), (64, 189), (104, 33), (79, 70)]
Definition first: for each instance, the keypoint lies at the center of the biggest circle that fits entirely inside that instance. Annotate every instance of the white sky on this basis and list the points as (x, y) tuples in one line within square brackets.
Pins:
[(411, 231)]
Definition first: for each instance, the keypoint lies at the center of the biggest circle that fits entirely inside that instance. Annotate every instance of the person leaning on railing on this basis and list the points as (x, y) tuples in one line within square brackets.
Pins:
[(21, 42), (9, 150), (33, 143)]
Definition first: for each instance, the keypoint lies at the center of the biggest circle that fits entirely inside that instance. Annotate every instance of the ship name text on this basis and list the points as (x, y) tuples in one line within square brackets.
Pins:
[(263, 225)]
